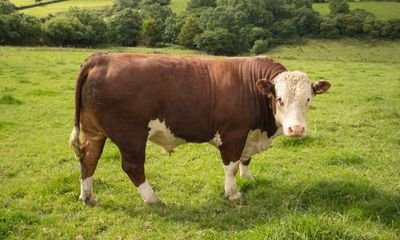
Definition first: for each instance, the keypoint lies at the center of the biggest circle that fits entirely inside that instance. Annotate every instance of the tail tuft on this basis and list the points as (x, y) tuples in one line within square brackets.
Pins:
[(75, 142)]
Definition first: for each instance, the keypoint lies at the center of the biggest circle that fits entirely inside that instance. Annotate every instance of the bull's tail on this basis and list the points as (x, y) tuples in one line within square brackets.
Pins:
[(74, 140)]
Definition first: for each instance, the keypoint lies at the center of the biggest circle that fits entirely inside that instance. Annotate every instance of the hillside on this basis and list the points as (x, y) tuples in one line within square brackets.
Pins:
[(383, 10)]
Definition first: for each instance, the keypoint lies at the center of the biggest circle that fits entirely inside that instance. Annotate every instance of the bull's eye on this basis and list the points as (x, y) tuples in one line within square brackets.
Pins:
[(308, 100), (280, 101)]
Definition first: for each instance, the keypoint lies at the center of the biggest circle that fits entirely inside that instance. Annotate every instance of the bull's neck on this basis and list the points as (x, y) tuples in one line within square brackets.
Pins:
[(263, 68)]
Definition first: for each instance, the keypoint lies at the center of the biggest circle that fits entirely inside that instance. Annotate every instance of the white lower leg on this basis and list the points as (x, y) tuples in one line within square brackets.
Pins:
[(147, 193), (87, 190), (230, 181), (245, 172)]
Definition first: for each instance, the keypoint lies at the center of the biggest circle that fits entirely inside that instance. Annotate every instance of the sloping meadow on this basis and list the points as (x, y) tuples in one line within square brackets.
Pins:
[(342, 181)]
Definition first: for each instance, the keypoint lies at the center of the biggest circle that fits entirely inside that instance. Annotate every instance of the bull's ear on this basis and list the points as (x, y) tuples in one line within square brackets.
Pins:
[(321, 86), (265, 87)]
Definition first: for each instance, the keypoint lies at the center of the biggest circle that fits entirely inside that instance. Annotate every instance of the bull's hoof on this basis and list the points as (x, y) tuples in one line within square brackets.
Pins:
[(90, 201), (152, 200), (233, 196), (247, 176)]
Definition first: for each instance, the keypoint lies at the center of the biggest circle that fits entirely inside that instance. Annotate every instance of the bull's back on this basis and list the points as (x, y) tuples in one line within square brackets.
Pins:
[(135, 89)]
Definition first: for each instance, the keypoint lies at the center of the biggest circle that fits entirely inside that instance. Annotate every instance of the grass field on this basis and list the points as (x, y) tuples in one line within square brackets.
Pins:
[(340, 182), (382, 10), (43, 11)]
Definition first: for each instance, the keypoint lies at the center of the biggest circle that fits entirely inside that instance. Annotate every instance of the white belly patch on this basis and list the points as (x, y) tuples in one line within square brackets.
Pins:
[(161, 135), (257, 141)]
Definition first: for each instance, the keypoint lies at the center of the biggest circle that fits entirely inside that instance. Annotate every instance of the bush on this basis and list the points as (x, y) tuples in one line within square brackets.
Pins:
[(20, 29), (189, 31), (307, 20), (96, 26), (372, 27), (395, 26), (66, 30), (328, 28), (219, 41), (260, 46), (339, 6), (6, 7), (160, 2), (125, 27)]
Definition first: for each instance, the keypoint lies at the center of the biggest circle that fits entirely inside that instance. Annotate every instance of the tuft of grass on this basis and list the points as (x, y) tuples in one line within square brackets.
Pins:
[(9, 100), (345, 159)]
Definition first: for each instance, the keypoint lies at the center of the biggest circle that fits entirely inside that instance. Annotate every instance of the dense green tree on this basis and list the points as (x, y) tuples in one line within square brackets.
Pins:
[(307, 20), (339, 6), (173, 25), (219, 41), (157, 12), (189, 31), (125, 27), (150, 33), (6, 7), (192, 4)]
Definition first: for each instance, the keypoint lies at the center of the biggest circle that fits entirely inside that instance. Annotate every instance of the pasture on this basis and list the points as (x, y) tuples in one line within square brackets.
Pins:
[(340, 182), (382, 10), (43, 11)]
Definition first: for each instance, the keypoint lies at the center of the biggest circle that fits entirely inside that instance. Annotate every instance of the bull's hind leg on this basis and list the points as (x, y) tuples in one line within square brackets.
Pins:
[(91, 148), (133, 158)]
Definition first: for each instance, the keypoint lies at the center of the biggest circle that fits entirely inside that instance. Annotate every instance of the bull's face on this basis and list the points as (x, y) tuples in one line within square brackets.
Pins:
[(290, 95)]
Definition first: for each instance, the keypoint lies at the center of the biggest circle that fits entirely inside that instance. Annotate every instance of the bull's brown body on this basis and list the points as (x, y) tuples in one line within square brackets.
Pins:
[(118, 95)]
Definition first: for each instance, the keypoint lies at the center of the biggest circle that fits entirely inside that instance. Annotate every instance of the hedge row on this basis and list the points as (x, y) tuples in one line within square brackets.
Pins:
[(224, 27)]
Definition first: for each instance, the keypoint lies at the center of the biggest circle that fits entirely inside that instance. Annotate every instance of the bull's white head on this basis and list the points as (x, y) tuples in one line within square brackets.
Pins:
[(290, 94)]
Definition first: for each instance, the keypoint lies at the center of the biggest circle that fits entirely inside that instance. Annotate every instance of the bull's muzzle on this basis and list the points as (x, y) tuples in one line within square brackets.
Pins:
[(296, 131)]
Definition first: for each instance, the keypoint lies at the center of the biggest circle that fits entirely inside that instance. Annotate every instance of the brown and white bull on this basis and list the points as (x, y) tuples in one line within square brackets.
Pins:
[(237, 104)]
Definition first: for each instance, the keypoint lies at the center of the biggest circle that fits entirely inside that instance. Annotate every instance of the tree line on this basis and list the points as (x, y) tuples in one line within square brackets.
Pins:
[(225, 27)]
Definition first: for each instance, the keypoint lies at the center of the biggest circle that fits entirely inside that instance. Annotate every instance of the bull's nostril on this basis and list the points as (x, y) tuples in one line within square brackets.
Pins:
[(302, 130), (290, 130)]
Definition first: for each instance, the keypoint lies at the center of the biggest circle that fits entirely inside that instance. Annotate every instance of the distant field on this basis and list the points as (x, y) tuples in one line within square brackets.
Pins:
[(340, 182), (382, 10), (22, 2), (43, 11)]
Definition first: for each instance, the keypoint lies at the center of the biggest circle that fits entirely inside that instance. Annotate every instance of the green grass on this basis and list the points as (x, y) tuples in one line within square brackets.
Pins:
[(382, 10), (19, 3), (340, 182), (43, 11)]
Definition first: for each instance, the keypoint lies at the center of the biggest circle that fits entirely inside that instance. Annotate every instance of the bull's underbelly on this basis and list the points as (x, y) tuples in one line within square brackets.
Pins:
[(257, 141)]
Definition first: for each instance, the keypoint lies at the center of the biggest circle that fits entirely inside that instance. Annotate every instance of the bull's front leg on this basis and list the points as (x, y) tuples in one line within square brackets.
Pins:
[(245, 170), (231, 150)]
